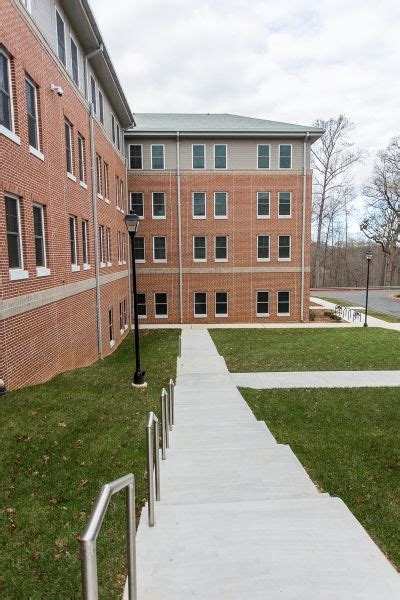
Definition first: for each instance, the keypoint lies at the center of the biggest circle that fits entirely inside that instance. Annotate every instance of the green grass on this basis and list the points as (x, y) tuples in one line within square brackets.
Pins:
[(61, 441), (347, 440), (299, 349)]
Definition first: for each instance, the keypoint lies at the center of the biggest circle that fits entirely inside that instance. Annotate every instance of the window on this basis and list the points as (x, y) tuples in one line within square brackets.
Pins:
[(285, 156), (32, 112), (85, 242), (137, 206), (221, 248), (262, 247), (101, 246), (121, 317), (159, 205), (200, 304), (157, 156), (161, 304), (284, 209), (284, 303), (38, 228), (199, 248), (263, 156), (125, 315), (159, 248), (262, 205), (101, 107), (262, 304), (117, 191), (139, 249), (105, 171), (220, 156), (135, 156), (111, 326), (98, 175), (113, 128), (121, 194), (14, 240), (220, 205), (221, 304), (141, 305), (199, 205), (6, 109), (73, 241), (74, 62), (93, 93), (119, 247), (118, 137), (108, 246), (60, 38), (284, 247), (68, 147), (198, 156), (123, 248), (81, 158)]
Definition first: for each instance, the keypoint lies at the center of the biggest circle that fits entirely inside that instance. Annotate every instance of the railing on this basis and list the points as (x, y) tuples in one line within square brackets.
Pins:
[(164, 423), (180, 346), (153, 463), (89, 537), (171, 404), (348, 313)]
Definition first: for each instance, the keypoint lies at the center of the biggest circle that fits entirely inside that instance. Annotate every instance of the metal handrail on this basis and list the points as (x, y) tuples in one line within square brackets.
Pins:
[(171, 404), (180, 346), (153, 449), (88, 538), (164, 423)]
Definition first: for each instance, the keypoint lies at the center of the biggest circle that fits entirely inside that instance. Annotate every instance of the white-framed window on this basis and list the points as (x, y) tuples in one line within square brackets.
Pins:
[(125, 319), (98, 176), (221, 248), (113, 128), (85, 243), (108, 246), (159, 248), (137, 204), (284, 205), (101, 108), (284, 247), (262, 248), (198, 156), (284, 303), (101, 246), (157, 156), (118, 136), (32, 113), (263, 205), (135, 156), (141, 305), (200, 304), (74, 62), (199, 248), (40, 239), (199, 205), (121, 317), (262, 303), (117, 192), (220, 156), (111, 326), (73, 241), (105, 177), (220, 205), (221, 304), (161, 305), (263, 156), (123, 248), (285, 156), (14, 237), (81, 158), (69, 148), (119, 248), (158, 202), (93, 96), (121, 195), (7, 113), (60, 28), (140, 250)]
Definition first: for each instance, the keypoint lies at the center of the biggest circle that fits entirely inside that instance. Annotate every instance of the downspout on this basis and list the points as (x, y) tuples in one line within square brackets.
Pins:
[(178, 174), (303, 229)]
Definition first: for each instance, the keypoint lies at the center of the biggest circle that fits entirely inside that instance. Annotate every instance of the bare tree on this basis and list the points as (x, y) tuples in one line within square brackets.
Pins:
[(332, 159)]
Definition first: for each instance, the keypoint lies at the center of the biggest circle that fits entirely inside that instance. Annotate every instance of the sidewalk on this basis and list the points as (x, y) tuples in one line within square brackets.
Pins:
[(316, 379)]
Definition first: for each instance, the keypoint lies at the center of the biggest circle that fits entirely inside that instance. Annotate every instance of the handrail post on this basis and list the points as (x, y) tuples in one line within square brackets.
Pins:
[(131, 520), (171, 395), (180, 346), (150, 482), (157, 448), (164, 422)]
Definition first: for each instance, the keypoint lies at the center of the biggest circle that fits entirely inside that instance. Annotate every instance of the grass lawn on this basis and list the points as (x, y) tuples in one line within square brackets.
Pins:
[(61, 441), (347, 440), (322, 349)]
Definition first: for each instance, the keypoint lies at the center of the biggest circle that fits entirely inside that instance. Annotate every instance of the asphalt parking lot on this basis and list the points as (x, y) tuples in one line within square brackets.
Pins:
[(380, 300)]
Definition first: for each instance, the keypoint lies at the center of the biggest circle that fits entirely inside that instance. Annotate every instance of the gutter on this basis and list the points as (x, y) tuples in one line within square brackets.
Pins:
[(178, 175), (303, 224), (137, 132)]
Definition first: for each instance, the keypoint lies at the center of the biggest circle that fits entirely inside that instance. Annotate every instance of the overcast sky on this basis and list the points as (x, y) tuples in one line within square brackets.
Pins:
[(285, 60)]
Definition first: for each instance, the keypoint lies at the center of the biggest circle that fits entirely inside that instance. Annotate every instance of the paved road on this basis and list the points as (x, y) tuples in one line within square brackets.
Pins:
[(380, 300)]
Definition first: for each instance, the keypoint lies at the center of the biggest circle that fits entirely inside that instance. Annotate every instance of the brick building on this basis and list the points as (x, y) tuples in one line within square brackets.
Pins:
[(225, 203), (64, 297)]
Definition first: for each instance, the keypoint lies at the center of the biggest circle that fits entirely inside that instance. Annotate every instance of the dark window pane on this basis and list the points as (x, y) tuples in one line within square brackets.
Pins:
[(159, 248), (220, 204), (284, 204), (221, 247), (139, 248), (158, 204), (161, 304), (135, 157), (283, 302), (284, 246), (200, 303), (198, 156), (60, 39), (263, 246), (141, 305), (157, 157), (262, 303), (200, 248), (13, 234), (93, 93), (220, 156), (285, 156), (39, 236), (72, 237), (263, 156), (199, 204), (5, 100), (263, 204), (221, 303), (74, 59), (68, 148), (31, 111), (101, 107), (137, 203)]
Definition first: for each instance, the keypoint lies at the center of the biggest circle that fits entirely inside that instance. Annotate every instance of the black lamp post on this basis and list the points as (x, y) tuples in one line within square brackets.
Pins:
[(369, 258), (132, 224)]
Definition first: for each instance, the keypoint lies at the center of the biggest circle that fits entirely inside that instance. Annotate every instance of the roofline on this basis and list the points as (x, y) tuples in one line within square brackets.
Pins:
[(312, 133)]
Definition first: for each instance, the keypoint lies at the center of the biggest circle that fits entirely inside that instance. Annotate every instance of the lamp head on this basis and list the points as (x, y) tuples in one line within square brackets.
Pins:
[(132, 223), (368, 254)]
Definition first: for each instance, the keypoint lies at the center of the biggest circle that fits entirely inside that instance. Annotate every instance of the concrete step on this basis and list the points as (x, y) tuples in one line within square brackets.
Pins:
[(298, 549), (207, 398), (204, 476), (201, 413), (222, 435)]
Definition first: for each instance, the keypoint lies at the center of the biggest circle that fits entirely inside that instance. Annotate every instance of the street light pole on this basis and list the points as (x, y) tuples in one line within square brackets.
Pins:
[(369, 258), (132, 224)]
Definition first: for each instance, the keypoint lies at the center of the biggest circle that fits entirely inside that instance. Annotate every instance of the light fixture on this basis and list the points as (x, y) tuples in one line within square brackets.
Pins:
[(132, 223)]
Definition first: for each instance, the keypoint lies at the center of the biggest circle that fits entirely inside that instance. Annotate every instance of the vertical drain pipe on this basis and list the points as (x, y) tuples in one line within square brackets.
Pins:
[(178, 174), (303, 228)]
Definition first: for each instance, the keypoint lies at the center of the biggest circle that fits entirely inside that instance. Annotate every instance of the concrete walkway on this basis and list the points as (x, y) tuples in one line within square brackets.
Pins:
[(239, 518), (317, 379)]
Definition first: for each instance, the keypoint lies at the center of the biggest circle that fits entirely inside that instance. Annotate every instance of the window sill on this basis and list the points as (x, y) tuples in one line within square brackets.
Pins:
[(125, 327), (284, 216), (17, 274), (197, 218), (158, 218), (121, 331), (75, 268), (200, 316), (222, 316), (198, 260), (109, 264), (83, 185), (42, 271), (283, 314), (120, 262), (142, 317), (163, 260), (102, 265), (117, 207), (140, 261), (284, 168), (86, 266), (70, 176), (124, 262), (100, 196), (262, 315), (107, 200), (112, 343), (161, 316), (36, 153), (220, 168), (10, 135), (220, 218), (219, 260), (263, 260), (284, 259), (263, 217)]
